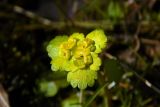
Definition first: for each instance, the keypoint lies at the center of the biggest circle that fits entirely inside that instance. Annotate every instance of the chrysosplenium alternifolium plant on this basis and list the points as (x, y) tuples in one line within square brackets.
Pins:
[(78, 55)]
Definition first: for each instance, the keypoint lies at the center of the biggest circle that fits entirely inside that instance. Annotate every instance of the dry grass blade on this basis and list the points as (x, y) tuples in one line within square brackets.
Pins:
[(3, 97)]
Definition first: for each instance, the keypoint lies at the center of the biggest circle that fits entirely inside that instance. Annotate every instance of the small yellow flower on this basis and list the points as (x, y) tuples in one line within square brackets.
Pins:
[(78, 55)]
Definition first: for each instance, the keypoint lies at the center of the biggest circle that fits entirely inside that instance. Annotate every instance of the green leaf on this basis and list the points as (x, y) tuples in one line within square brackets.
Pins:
[(49, 88), (71, 102), (113, 69)]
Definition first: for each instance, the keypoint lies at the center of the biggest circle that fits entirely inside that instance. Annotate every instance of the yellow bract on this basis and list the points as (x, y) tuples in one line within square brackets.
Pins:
[(82, 78), (99, 38), (78, 55)]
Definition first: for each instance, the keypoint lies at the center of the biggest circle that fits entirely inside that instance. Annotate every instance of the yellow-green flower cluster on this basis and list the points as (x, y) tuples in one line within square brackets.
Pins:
[(78, 55)]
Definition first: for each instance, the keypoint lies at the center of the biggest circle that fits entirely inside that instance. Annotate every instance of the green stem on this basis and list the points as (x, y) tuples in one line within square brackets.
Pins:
[(81, 98), (95, 95), (106, 102)]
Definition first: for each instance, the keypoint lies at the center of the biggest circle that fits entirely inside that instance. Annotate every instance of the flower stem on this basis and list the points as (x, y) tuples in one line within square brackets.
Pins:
[(81, 98)]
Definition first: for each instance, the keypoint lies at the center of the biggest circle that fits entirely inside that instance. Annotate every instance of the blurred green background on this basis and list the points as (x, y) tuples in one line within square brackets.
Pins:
[(131, 59)]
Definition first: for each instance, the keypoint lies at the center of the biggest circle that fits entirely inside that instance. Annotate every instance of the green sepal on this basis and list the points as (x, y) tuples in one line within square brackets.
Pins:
[(78, 36), (58, 61), (100, 39), (96, 62), (53, 46), (82, 78)]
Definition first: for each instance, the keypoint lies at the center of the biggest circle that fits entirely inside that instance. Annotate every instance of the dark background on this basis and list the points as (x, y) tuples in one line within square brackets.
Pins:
[(133, 31)]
